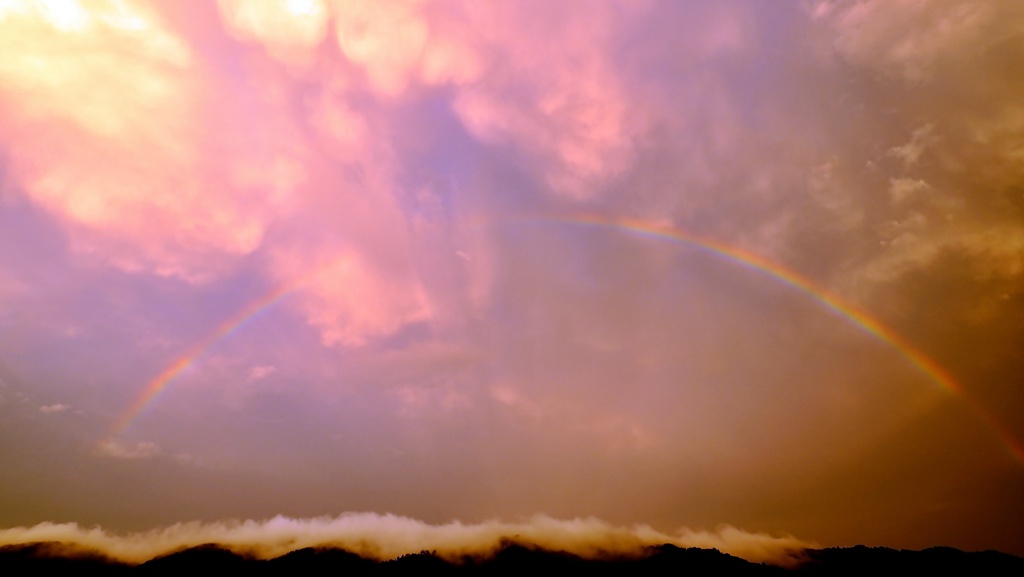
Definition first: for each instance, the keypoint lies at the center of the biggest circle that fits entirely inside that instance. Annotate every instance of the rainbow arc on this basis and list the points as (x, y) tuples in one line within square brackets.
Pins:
[(779, 273)]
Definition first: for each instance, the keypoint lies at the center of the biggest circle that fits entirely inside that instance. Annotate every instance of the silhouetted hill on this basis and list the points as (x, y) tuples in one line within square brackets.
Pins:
[(320, 561), (937, 560), (669, 559), (510, 559), (52, 558), (209, 557)]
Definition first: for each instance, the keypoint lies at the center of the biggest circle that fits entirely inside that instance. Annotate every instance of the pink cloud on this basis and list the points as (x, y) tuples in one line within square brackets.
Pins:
[(290, 30), (155, 161), (155, 164), (349, 300), (552, 92), (112, 142)]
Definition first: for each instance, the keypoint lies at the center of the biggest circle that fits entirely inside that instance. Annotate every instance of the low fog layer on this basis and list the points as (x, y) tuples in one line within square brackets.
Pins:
[(384, 537)]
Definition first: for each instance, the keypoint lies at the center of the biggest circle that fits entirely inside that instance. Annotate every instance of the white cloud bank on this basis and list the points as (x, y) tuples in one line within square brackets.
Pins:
[(389, 536)]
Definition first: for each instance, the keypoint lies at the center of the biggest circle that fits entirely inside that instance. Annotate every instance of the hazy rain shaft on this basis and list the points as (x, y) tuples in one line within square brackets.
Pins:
[(584, 272)]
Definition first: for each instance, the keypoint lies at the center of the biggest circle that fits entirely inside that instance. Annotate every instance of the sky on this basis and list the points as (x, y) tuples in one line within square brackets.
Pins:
[(748, 271)]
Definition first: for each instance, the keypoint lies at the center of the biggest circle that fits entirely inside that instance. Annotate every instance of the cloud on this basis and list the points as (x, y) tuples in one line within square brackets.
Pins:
[(911, 152), (389, 536), (912, 39), (54, 408), (111, 144), (555, 97), (350, 299), (154, 164), (260, 372), (289, 29), (117, 449), (903, 189), (571, 118), (387, 40)]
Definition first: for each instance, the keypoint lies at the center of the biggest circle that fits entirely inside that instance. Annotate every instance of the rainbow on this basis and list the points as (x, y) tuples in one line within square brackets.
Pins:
[(230, 325), (226, 328), (831, 301)]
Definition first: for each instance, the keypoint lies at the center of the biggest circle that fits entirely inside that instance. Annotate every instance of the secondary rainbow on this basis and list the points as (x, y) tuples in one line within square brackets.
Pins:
[(833, 302)]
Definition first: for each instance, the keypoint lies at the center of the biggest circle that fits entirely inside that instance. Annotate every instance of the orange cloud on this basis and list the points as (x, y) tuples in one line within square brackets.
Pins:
[(911, 39)]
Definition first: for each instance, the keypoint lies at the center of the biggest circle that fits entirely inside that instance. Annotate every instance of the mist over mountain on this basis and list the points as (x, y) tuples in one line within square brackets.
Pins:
[(510, 558)]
